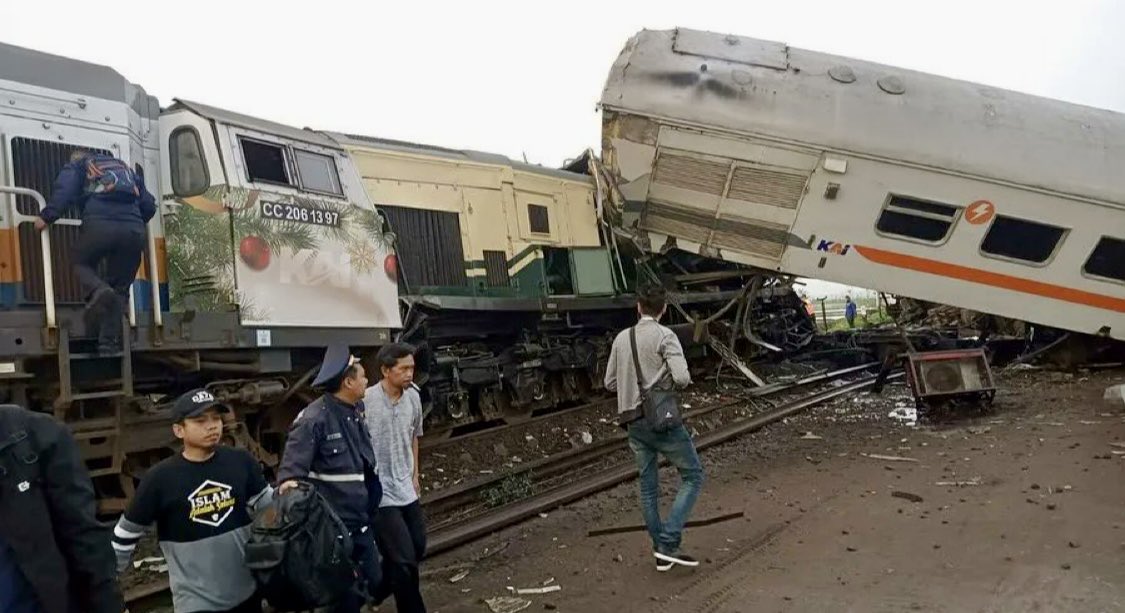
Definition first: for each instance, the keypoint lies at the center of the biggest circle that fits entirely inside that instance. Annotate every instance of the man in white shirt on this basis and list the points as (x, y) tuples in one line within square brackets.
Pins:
[(393, 413)]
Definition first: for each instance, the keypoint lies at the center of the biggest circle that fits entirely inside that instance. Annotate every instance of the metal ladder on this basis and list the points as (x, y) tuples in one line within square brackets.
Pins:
[(107, 428)]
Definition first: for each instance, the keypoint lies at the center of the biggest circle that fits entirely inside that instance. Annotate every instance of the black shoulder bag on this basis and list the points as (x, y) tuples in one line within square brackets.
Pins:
[(660, 408)]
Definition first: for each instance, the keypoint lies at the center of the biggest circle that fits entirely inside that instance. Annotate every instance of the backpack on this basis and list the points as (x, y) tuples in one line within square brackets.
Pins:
[(107, 175), (299, 551)]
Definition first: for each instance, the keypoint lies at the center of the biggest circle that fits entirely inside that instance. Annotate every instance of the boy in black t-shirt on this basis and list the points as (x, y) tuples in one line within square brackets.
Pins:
[(202, 501)]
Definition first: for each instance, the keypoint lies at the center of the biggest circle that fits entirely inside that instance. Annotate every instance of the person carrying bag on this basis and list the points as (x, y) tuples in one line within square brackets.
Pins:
[(652, 417)]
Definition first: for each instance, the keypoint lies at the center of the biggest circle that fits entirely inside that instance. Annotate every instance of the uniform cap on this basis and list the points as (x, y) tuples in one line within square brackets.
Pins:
[(337, 359)]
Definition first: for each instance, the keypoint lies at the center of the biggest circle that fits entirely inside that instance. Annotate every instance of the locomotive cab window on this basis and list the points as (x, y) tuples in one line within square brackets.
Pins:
[(1107, 260), (917, 219), (264, 162), (189, 169), (318, 172), (538, 220), (1019, 239)]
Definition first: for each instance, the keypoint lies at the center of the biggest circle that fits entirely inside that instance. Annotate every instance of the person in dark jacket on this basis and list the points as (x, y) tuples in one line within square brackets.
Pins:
[(115, 206), (55, 556), (329, 446)]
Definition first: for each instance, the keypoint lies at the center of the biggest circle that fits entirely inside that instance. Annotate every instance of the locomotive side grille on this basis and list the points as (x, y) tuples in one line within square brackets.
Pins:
[(691, 173), (762, 186), (429, 246), (496, 269), (35, 163)]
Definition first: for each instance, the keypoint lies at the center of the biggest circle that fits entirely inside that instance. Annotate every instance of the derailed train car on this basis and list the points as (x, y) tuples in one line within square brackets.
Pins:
[(828, 167)]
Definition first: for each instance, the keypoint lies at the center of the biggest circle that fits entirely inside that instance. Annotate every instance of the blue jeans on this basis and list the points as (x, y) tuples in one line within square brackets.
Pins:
[(675, 445)]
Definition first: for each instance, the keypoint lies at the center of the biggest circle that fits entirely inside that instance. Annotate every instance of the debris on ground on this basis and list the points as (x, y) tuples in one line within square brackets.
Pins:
[(809, 436), (530, 591), (507, 604), (459, 576), (907, 496), (888, 458), (908, 415), (969, 483)]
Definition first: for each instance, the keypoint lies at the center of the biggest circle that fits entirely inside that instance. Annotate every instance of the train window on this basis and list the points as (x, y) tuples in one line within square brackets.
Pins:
[(919, 219), (1021, 239), (538, 220), (185, 157), (1108, 259), (318, 172), (264, 162)]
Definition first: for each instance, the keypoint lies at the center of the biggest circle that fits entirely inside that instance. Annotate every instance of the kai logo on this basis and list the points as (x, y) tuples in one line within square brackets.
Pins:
[(211, 503), (833, 247), (318, 269), (202, 396)]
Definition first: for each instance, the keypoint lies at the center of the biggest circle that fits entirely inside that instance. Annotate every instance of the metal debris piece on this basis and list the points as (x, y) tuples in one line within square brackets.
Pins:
[(507, 604), (530, 591), (907, 496), (459, 576), (888, 458), (970, 482), (731, 358), (809, 436)]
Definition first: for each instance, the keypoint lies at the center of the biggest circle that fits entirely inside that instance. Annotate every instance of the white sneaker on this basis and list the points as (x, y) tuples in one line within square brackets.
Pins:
[(676, 557)]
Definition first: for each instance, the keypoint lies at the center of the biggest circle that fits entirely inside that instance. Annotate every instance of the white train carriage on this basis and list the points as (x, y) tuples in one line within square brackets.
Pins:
[(843, 170)]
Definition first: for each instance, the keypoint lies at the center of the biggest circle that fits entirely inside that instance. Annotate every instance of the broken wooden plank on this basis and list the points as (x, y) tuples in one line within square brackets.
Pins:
[(695, 523)]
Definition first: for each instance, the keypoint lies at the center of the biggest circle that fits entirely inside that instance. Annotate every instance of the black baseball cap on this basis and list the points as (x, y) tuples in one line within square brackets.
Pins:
[(194, 403)]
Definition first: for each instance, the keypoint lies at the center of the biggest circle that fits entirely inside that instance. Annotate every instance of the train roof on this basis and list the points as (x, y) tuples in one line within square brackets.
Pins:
[(36, 68), (769, 89), (255, 123), (466, 155)]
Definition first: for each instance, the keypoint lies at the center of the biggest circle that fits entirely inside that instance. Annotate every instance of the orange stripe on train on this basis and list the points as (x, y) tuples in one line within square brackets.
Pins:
[(994, 279)]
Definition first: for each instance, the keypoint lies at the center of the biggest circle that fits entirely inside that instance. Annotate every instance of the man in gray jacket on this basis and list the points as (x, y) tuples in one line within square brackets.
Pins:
[(661, 357)]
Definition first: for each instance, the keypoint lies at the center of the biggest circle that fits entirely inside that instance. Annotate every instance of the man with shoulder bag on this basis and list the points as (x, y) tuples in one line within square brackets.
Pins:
[(650, 410)]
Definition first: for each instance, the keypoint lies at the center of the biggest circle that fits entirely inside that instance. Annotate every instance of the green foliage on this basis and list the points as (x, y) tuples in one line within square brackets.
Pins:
[(511, 489)]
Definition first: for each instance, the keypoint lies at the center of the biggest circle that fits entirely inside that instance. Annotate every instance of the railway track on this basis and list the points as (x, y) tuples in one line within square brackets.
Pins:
[(457, 515), (592, 469)]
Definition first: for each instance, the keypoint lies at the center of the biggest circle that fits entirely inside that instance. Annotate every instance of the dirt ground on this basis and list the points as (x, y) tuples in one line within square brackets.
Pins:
[(1036, 524)]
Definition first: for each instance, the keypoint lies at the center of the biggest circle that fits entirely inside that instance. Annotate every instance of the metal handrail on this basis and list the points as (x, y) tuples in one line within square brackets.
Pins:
[(45, 243), (153, 275)]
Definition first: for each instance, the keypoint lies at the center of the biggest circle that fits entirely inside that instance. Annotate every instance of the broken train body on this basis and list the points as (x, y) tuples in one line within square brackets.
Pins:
[(833, 168)]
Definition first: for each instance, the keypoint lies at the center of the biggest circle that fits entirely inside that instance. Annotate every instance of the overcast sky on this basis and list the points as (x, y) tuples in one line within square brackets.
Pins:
[(523, 78)]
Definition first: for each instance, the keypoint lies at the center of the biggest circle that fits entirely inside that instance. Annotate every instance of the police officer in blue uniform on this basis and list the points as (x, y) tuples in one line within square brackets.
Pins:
[(329, 446)]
